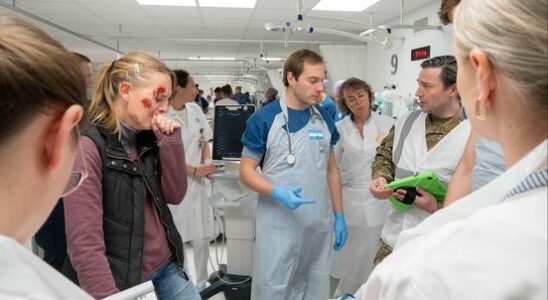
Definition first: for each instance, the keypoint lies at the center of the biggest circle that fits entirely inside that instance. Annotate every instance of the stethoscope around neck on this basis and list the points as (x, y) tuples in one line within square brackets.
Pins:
[(291, 159)]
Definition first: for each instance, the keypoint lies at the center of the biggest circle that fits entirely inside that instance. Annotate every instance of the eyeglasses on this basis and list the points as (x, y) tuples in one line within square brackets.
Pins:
[(76, 176)]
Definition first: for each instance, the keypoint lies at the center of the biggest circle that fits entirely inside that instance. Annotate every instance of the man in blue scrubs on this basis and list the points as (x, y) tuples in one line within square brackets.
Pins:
[(292, 141)]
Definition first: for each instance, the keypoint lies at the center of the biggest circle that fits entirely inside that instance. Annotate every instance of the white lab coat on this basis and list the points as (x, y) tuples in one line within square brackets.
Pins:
[(477, 248), (364, 214), (25, 275), (442, 159), (194, 216)]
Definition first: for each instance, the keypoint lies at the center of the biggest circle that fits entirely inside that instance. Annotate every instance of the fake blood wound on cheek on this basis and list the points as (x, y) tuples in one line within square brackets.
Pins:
[(159, 91), (147, 103)]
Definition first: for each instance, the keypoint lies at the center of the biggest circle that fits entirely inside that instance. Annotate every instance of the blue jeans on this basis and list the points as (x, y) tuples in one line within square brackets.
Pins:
[(171, 283)]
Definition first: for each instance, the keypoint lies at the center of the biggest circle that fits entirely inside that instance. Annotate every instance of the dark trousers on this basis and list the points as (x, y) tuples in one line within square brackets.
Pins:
[(52, 238)]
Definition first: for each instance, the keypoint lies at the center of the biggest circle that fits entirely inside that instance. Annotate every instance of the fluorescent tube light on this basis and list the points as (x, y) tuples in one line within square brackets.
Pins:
[(344, 5), (272, 58), (228, 3), (168, 2)]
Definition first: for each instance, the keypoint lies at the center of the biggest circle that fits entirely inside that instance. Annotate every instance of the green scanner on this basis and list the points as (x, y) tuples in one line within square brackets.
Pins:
[(426, 180)]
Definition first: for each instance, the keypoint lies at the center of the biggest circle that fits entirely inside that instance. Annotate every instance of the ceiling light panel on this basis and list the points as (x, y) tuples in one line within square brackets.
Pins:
[(228, 3), (168, 2), (344, 5)]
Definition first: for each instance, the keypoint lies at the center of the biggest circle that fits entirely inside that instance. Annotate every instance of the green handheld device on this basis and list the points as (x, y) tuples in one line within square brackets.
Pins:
[(426, 180)]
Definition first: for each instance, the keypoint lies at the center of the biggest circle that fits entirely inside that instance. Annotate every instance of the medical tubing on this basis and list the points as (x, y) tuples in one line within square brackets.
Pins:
[(216, 271)]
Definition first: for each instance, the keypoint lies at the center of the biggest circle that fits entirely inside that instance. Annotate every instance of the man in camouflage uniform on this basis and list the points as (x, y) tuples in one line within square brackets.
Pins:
[(440, 114)]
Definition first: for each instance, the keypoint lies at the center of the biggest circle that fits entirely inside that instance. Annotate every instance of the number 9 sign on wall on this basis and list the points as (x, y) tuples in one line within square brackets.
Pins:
[(394, 64)]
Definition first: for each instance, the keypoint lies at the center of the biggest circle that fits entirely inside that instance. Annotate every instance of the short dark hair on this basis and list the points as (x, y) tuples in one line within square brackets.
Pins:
[(82, 57), (227, 90), (271, 93), (448, 65), (447, 6), (355, 84), (217, 90), (296, 60), (181, 77)]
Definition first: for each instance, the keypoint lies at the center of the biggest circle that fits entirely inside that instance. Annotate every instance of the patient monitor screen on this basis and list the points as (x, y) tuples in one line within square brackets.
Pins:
[(228, 127)]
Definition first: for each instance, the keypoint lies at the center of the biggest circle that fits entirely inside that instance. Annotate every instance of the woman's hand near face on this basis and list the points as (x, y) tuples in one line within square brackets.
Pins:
[(163, 124)]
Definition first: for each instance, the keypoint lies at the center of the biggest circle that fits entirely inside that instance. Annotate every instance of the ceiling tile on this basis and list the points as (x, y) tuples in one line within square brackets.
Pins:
[(213, 14), (172, 11), (41, 8)]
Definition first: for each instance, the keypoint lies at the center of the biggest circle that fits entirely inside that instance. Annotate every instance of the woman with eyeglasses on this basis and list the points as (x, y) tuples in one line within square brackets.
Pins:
[(491, 244), (361, 133), (194, 216), (120, 231), (42, 94)]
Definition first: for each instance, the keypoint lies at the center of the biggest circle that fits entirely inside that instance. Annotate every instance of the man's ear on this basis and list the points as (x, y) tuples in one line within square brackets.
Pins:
[(61, 134), (484, 74), (453, 91), (291, 78)]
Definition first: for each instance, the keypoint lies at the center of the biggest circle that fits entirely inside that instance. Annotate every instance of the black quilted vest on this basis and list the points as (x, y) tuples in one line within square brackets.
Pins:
[(125, 184)]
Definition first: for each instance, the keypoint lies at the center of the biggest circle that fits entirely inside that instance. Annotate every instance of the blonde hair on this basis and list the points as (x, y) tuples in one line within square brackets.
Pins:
[(37, 74), (514, 35), (132, 68)]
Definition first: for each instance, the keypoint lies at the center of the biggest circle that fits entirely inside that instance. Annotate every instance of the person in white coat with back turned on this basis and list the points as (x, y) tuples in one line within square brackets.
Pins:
[(194, 216), (42, 99), (361, 133), (491, 244)]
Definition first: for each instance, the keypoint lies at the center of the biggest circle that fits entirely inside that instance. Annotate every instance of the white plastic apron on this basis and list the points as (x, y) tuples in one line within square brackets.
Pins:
[(364, 214), (292, 246), (193, 216), (442, 159)]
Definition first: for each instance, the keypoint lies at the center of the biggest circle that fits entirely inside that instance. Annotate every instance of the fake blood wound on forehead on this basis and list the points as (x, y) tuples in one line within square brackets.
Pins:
[(147, 103), (159, 91)]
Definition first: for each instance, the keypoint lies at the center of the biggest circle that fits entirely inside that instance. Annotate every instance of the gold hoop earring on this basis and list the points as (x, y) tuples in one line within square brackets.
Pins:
[(480, 116)]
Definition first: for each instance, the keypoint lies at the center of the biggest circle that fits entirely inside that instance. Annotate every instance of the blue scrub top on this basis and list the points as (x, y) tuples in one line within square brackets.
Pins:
[(329, 105), (258, 125)]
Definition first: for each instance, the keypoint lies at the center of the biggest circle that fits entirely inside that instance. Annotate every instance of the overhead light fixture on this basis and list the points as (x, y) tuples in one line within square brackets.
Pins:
[(272, 58), (210, 58), (168, 2), (344, 5), (228, 3)]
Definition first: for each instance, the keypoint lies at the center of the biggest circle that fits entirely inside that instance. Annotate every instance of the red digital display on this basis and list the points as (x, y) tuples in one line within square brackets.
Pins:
[(420, 53)]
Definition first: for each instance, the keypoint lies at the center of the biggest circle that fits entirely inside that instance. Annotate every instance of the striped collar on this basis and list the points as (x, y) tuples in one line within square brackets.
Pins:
[(533, 181)]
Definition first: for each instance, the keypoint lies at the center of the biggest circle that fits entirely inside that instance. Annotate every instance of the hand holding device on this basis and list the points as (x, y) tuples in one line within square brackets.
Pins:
[(426, 182)]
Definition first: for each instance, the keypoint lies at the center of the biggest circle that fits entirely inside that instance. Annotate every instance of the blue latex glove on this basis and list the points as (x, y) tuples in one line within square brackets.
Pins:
[(290, 197), (340, 231)]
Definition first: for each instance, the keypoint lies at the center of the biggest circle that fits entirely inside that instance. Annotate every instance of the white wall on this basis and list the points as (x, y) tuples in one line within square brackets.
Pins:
[(379, 60)]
